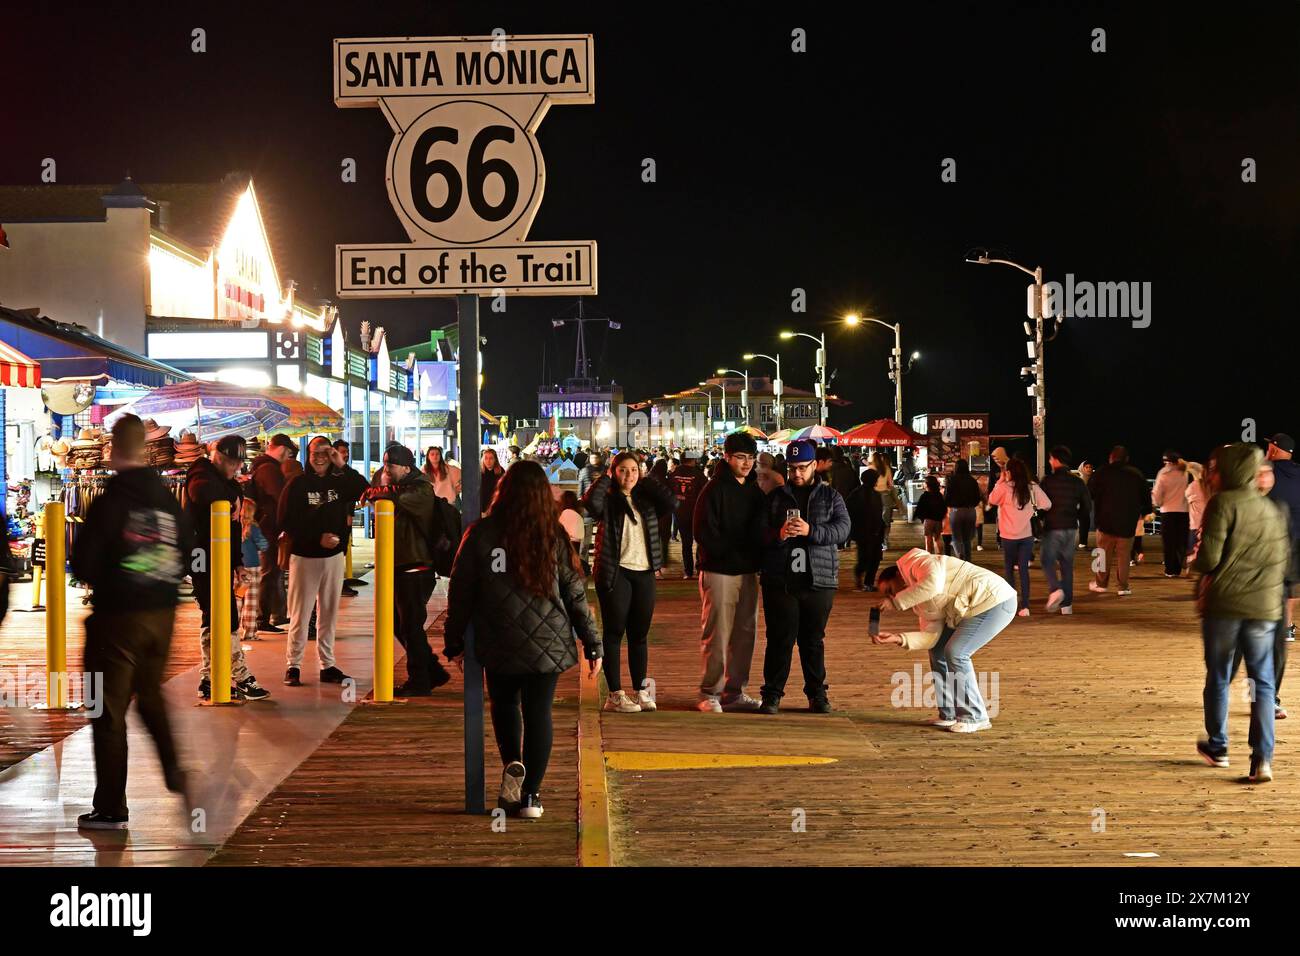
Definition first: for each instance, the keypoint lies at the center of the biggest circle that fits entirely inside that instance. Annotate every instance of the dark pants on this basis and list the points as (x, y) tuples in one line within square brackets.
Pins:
[(688, 545), (665, 535), (869, 555), (627, 608), (202, 582), (130, 650), (795, 617), (963, 529), (411, 593), (521, 721), (1017, 553), (272, 603), (1173, 532)]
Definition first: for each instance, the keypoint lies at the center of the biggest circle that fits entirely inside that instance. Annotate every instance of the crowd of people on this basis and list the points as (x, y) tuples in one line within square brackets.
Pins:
[(755, 528)]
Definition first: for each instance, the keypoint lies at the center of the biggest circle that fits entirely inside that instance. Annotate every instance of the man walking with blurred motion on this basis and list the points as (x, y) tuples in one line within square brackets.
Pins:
[(1120, 498)]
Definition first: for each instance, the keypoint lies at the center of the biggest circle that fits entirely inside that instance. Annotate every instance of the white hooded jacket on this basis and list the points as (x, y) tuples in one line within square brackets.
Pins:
[(944, 592)]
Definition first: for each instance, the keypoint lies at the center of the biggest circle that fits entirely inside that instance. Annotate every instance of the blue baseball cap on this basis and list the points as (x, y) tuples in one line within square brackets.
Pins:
[(801, 451)]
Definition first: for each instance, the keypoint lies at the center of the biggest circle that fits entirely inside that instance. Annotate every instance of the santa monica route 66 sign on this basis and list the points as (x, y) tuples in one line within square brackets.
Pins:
[(465, 174)]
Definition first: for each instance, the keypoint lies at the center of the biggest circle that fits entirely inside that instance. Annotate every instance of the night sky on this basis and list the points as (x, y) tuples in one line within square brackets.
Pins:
[(779, 170)]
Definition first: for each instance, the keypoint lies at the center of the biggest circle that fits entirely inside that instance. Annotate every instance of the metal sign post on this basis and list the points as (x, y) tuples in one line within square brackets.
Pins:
[(470, 473)]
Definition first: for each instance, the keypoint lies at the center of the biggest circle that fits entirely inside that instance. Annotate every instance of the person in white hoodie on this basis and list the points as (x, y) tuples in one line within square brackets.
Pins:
[(1170, 496), (961, 607)]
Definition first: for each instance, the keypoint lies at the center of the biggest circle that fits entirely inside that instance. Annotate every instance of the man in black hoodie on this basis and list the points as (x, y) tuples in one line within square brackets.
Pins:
[(1121, 497), (687, 482), (208, 481), (727, 526), (132, 550)]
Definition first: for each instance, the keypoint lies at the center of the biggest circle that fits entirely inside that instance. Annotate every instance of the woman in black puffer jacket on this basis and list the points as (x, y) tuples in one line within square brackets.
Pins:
[(627, 509), (517, 579)]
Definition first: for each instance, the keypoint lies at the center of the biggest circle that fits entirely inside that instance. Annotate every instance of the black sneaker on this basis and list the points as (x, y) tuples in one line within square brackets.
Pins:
[(332, 675), (440, 677), (350, 592), (532, 806), (1212, 757), (269, 627), (280, 621), (1260, 771), (510, 797), (819, 705), (100, 821), (1290, 633), (292, 678), (252, 690), (407, 689), (205, 689), (770, 705)]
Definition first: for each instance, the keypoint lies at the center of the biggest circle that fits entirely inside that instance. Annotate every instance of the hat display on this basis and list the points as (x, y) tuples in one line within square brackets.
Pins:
[(1283, 441), (801, 451), (188, 449), (86, 451)]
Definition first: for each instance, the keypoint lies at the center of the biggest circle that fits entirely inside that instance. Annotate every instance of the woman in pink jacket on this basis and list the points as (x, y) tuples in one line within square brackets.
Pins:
[(1016, 497)]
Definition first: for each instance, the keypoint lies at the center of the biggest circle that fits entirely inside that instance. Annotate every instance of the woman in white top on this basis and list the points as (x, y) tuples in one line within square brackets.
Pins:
[(960, 607), (445, 477), (1016, 497)]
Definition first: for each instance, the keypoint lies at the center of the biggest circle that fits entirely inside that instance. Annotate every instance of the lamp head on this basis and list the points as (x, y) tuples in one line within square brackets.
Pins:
[(852, 319), (722, 371), (748, 356), (787, 335)]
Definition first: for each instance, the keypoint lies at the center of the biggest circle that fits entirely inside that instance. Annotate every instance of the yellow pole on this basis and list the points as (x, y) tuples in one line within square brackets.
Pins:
[(347, 568), (56, 650), (37, 570), (383, 601), (219, 620)]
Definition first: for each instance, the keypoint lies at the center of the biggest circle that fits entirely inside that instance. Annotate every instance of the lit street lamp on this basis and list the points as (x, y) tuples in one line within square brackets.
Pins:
[(778, 409), (744, 392), (821, 359), (723, 389), (896, 370)]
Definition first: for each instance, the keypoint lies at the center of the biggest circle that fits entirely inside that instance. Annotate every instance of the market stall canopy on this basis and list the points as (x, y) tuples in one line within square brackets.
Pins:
[(816, 433), (210, 409), (307, 416), (67, 351), (780, 437), (754, 432), (17, 370), (882, 433)]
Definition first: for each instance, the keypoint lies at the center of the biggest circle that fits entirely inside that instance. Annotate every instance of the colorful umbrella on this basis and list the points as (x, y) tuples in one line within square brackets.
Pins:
[(307, 416), (882, 433), (816, 433), (210, 409), (781, 436), (751, 430)]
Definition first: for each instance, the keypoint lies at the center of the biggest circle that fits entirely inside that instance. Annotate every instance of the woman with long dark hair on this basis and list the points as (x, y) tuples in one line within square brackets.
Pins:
[(1016, 497), (659, 471), (445, 477), (524, 610), (626, 509), (491, 473), (962, 497)]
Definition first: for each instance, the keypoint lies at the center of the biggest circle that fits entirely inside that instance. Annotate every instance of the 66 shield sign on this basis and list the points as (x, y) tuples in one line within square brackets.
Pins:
[(465, 174)]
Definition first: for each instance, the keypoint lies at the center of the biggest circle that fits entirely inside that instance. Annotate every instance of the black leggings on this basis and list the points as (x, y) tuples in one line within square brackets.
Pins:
[(869, 555), (627, 607), (521, 721)]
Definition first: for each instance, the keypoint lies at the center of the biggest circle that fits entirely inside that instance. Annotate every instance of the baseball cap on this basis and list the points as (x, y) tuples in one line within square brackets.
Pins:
[(282, 440), (232, 446), (1172, 456), (399, 455), (800, 452), (1283, 441)]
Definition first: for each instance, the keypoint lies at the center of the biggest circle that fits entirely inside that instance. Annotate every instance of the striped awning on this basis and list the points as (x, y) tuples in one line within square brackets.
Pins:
[(17, 369)]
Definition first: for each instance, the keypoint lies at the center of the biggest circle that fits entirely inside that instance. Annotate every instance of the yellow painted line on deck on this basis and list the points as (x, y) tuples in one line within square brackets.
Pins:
[(638, 760), (593, 795)]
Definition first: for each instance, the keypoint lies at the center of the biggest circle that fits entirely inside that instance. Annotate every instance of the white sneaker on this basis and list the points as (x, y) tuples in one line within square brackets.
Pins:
[(620, 703), (709, 705), (743, 704), (1054, 600), (979, 547), (970, 726), (1068, 609), (1125, 593), (645, 701), (943, 722), (1096, 588), (1023, 612)]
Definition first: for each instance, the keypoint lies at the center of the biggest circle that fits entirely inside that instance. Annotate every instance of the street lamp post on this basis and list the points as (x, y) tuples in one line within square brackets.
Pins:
[(1038, 389), (896, 370), (821, 365), (744, 392), (709, 414), (723, 389), (778, 409)]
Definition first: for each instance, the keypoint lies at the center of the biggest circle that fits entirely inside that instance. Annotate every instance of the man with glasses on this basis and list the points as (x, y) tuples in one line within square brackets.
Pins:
[(804, 523), (726, 522)]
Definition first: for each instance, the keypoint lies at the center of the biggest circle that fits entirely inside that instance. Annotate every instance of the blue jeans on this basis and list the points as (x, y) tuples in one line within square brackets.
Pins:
[(1058, 550), (956, 688), (1018, 552), (1223, 637)]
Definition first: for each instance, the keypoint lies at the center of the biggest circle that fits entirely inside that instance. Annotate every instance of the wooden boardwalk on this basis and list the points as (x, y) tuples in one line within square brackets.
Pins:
[(1090, 758)]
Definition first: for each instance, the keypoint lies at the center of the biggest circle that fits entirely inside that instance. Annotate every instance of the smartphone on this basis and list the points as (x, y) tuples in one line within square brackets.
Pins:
[(792, 514), (873, 623)]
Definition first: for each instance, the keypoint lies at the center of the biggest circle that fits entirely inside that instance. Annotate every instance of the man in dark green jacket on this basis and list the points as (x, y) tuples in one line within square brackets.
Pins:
[(1243, 558), (413, 578)]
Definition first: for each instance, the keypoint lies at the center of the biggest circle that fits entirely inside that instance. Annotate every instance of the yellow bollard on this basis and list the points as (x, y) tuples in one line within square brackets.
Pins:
[(37, 571), (219, 571), (56, 638), (384, 519), (347, 566)]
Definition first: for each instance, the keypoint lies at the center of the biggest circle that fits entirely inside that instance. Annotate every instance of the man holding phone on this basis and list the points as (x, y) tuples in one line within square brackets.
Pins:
[(802, 528)]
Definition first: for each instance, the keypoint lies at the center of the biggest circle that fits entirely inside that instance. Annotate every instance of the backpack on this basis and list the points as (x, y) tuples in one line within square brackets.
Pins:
[(444, 535)]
